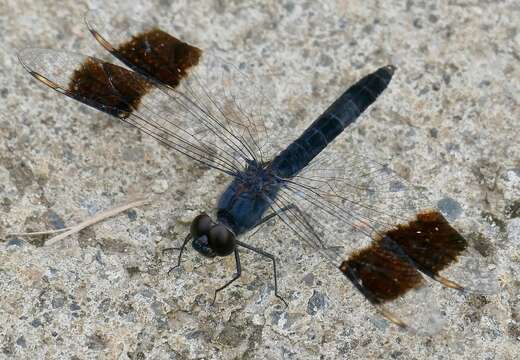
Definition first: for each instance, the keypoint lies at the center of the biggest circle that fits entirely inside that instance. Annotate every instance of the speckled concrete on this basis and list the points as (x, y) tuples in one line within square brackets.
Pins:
[(449, 122)]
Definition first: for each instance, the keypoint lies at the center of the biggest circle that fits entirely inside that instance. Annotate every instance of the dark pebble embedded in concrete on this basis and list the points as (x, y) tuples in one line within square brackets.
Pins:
[(308, 279), (58, 302), (450, 208), (289, 6), (104, 305), (433, 18), (132, 214), (325, 60), (316, 303), (36, 323), (21, 342), (15, 242), (396, 186), (96, 342), (55, 220), (276, 316)]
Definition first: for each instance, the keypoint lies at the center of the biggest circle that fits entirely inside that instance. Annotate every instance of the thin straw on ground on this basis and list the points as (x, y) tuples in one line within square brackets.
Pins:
[(89, 222)]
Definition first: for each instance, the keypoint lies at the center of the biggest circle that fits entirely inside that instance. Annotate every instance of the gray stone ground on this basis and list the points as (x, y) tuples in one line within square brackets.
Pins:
[(447, 122)]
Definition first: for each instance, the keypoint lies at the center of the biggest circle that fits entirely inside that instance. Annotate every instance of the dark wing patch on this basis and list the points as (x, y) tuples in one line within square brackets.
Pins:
[(156, 54), (430, 241), (107, 87), (390, 266), (104, 86), (381, 273)]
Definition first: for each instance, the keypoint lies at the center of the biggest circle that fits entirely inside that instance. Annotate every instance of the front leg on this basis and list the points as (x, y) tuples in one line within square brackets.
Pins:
[(180, 252), (235, 277)]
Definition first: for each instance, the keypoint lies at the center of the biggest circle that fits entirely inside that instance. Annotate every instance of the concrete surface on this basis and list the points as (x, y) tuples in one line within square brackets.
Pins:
[(449, 122)]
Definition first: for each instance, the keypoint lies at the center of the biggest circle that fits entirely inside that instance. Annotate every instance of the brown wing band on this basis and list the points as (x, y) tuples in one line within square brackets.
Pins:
[(107, 87), (390, 266), (118, 91), (156, 54)]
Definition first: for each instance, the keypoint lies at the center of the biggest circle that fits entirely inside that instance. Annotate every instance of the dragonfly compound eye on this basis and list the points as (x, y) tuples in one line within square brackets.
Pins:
[(221, 240), (200, 226)]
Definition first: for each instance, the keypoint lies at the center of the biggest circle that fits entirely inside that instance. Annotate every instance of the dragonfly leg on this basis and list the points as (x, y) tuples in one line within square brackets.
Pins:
[(236, 276), (183, 246), (270, 256)]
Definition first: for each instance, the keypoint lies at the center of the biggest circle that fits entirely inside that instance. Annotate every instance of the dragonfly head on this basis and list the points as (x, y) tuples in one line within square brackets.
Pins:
[(210, 239)]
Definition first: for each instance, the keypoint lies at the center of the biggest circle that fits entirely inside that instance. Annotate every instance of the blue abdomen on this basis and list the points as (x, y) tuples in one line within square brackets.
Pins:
[(343, 112)]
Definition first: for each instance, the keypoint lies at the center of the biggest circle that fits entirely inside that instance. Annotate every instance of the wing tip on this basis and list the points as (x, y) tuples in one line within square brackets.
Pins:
[(25, 57), (30, 55), (21, 55), (394, 319)]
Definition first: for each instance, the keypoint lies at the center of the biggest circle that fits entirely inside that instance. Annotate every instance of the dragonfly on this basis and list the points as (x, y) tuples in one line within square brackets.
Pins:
[(382, 233)]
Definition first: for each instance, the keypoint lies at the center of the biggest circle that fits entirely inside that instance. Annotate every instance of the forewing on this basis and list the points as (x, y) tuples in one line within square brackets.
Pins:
[(237, 103), (199, 118), (128, 96)]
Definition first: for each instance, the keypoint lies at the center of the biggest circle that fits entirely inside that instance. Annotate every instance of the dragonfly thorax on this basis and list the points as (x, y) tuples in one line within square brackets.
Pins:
[(242, 205), (257, 177)]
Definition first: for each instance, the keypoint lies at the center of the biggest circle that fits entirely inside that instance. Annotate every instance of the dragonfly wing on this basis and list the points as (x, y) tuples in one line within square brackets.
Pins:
[(237, 102), (198, 119), (130, 97), (385, 237)]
